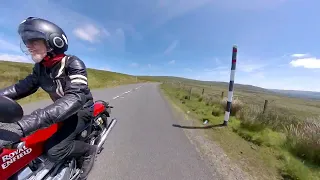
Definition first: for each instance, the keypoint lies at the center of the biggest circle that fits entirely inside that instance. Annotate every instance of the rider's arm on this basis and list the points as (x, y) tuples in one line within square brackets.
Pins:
[(22, 88), (74, 98)]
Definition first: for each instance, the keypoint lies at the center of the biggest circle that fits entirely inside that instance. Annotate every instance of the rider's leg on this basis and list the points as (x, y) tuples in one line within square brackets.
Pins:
[(88, 161), (63, 144)]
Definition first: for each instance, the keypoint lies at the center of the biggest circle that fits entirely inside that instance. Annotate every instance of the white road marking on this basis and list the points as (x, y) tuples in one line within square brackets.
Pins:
[(115, 97), (120, 96)]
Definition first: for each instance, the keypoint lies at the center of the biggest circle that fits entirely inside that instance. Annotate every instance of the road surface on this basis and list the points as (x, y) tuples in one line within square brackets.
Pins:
[(143, 145)]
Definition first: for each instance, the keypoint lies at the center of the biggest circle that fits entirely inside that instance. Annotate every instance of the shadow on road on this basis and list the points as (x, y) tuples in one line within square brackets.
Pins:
[(197, 127)]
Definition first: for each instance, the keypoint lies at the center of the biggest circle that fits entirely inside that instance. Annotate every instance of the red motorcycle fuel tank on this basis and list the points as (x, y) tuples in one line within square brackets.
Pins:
[(12, 160)]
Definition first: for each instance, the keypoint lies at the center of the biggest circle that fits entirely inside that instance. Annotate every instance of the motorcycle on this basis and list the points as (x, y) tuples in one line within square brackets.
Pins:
[(25, 159)]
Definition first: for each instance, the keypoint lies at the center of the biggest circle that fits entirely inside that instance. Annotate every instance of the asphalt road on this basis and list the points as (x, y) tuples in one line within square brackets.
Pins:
[(143, 144)]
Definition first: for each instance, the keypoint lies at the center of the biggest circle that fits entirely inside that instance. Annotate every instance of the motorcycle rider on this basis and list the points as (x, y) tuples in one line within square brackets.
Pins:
[(64, 78)]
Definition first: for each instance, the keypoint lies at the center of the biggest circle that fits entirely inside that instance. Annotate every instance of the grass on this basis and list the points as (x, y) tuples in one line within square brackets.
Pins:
[(281, 143), (12, 72)]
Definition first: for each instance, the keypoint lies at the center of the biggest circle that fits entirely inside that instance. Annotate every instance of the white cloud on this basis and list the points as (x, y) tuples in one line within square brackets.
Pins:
[(309, 63), (15, 58), (172, 62), (69, 20), (188, 69), (299, 55), (171, 47), (90, 33)]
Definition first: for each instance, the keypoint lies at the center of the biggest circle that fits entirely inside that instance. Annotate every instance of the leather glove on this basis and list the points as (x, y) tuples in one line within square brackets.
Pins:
[(9, 133)]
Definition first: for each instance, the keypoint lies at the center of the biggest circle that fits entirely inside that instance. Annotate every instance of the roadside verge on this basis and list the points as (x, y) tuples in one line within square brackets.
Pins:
[(213, 155)]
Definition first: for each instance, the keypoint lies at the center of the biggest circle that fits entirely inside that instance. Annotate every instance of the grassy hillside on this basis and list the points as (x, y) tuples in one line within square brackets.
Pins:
[(11, 72), (280, 143), (300, 94), (248, 94), (248, 88)]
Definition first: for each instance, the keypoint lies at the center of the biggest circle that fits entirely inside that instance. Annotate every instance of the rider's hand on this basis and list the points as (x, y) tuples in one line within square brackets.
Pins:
[(9, 133)]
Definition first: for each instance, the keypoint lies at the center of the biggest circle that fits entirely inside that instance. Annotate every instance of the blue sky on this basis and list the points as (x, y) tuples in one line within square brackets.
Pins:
[(278, 40)]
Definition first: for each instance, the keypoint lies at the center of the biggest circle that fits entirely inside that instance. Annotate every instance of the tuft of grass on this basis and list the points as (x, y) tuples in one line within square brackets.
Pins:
[(303, 140), (293, 168), (236, 105), (302, 137), (217, 111), (265, 137)]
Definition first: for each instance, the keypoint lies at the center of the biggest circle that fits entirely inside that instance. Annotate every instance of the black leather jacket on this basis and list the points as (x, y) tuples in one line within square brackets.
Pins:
[(66, 83)]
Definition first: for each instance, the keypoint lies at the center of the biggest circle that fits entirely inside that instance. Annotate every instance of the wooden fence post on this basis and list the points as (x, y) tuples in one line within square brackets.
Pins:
[(190, 93), (265, 106)]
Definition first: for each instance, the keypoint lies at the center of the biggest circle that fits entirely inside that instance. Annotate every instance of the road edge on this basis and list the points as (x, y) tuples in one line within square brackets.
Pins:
[(210, 152)]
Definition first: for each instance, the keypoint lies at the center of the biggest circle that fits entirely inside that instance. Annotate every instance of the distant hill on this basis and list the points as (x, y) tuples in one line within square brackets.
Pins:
[(298, 94), (192, 81), (243, 87)]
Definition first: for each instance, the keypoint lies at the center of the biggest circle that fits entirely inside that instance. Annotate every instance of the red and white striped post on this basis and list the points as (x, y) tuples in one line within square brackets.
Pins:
[(231, 83)]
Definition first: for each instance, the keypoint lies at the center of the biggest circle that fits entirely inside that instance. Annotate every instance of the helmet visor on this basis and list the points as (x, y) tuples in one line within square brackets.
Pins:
[(29, 36)]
